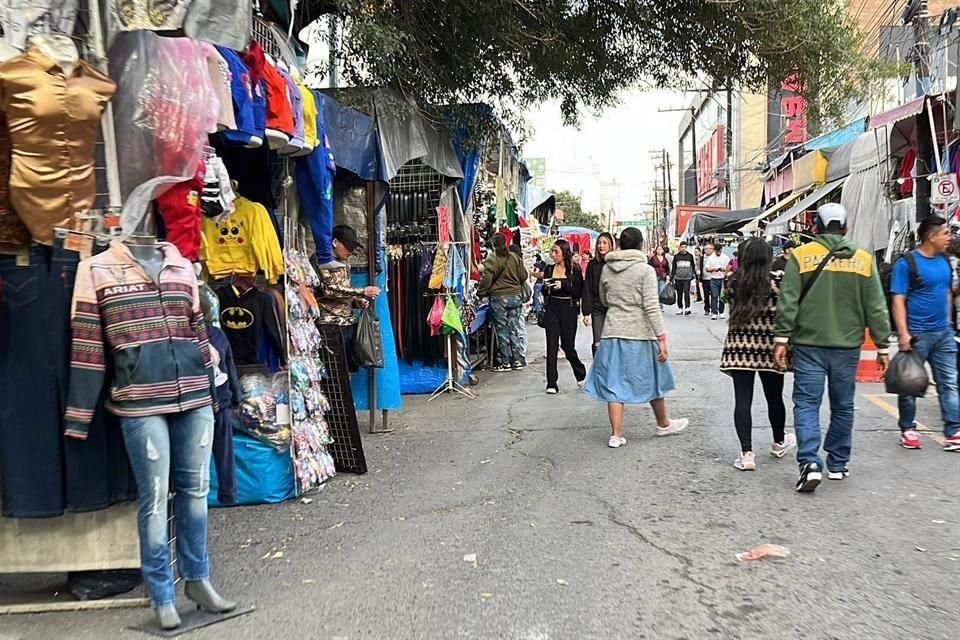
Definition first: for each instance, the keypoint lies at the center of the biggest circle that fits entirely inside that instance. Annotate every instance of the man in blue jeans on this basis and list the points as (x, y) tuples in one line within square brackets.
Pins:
[(831, 292), (922, 285)]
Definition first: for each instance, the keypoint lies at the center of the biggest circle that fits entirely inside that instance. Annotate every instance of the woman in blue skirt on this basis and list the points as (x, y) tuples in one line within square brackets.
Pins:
[(630, 366)]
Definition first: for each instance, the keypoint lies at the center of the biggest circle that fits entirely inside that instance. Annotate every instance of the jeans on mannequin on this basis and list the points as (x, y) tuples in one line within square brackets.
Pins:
[(161, 446)]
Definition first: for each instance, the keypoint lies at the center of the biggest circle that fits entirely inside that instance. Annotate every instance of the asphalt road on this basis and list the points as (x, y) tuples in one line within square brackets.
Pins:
[(573, 540)]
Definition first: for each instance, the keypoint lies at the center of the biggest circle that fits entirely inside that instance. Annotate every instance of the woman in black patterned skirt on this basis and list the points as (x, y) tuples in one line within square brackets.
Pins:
[(748, 349)]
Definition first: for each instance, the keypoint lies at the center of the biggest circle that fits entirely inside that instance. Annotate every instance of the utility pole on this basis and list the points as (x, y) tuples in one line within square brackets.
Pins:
[(920, 19), (728, 142), (693, 143)]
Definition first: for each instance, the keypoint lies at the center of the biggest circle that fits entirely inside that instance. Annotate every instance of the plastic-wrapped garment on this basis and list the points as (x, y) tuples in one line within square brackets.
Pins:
[(164, 107), (224, 22), (22, 19), (132, 15)]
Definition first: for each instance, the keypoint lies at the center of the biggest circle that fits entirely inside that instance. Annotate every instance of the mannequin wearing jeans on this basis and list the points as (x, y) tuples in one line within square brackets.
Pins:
[(161, 389)]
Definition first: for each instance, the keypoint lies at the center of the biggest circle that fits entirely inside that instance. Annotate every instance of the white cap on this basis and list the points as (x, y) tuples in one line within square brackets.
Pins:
[(832, 212)]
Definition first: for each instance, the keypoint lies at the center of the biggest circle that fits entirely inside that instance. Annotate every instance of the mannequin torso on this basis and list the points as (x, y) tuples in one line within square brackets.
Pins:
[(149, 255), (58, 48)]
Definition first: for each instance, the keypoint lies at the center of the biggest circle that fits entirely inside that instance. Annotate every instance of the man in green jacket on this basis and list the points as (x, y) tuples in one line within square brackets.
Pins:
[(821, 315)]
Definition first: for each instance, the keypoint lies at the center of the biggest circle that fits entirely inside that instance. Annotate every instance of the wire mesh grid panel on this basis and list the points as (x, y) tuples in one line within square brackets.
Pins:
[(347, 448), (412, 206)]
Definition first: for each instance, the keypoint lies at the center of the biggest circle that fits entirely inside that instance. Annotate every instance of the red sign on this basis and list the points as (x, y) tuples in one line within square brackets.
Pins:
[(793, 109), (710, 160)]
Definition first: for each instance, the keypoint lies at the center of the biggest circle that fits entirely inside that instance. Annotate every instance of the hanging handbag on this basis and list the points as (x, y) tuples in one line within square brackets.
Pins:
[(367, 344)]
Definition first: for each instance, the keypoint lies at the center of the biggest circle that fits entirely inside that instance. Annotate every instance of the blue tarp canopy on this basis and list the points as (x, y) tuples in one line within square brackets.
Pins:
[(837, 137)]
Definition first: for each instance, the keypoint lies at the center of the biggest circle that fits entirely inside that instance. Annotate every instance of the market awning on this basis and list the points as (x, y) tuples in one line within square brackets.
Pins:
[(839, 164), (897, 114), (781, 224), (703, 223), (809, 170), (766, 214), (837, 137)]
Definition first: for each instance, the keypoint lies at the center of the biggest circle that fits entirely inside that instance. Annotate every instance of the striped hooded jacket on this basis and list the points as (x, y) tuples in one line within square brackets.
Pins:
[(155, 338)]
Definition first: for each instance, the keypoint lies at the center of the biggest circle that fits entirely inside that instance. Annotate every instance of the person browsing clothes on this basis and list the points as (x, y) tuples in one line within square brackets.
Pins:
[(336, 297), (502, 280)]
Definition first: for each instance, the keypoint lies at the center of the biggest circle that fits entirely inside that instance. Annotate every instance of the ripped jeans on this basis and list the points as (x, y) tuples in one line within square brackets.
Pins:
[(177, 444)]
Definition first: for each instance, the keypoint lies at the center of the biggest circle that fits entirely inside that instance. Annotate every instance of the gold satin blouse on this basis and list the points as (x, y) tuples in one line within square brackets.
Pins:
[(53, 121)]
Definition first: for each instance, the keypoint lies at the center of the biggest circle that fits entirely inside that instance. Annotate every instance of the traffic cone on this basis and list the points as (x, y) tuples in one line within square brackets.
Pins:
[(867, 369)]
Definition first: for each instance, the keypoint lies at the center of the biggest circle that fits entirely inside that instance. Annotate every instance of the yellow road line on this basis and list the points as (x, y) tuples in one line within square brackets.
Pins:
[(895, 412)]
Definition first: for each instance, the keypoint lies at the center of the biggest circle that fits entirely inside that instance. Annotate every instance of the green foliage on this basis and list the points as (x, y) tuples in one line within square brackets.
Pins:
[(573, 213), (583, 53)]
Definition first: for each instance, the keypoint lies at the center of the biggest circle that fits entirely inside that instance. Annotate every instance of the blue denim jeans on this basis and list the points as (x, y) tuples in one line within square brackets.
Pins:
[(939, 349), (716, 289), (811, 367), (537, 297), (508, 323), (177, 445)]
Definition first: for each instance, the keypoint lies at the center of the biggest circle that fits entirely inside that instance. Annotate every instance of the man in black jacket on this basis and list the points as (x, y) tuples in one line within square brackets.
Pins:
[(684, 271)]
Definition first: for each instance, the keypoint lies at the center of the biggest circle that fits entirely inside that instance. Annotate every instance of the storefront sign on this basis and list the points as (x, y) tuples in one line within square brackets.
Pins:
[(793, 108), (943, 189), (710, 160)]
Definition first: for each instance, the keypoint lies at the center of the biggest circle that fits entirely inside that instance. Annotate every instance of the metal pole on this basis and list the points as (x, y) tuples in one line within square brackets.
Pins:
[(693, 141), (728, 142), (925, 133), (333, 68), (372, 243)]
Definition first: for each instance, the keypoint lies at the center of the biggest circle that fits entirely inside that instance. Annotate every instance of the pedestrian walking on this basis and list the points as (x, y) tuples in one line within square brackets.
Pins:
[(563, 288), (748, 350), (715, 269), (631, 364), (697, 281), (780, 262), (592, 308), (922, 288), (683, 273), (831, 292), (705, 277), (502, 280), (661, 267)]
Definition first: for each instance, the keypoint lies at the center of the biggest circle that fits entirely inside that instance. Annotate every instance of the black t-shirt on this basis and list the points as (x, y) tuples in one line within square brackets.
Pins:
[(246, 318)]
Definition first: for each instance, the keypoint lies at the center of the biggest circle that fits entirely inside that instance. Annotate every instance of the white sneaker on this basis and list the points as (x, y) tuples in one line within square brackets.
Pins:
[(675, 426), (552, 391), (723, 316), (616, 442), (582, 383), (680, 313), (780, 450), (746, 461), (714, 317), (838, 475)]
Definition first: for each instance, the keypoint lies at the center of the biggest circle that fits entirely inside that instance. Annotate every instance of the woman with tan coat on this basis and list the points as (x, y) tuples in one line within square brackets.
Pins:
[(631, 363)]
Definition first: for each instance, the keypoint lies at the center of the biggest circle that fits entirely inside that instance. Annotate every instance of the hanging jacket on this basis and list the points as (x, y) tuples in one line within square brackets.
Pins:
[(154, 335), (243, 243)]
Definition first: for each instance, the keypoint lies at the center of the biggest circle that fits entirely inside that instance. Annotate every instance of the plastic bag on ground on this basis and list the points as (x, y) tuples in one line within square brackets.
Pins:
[(906, 375), (764, 551)]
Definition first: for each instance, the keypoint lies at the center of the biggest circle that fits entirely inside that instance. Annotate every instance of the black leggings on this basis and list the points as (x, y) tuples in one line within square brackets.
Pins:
[(743, 393), (683, 294)]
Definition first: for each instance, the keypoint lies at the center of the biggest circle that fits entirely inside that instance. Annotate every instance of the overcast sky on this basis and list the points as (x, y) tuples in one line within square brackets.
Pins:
[(618, 140)]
